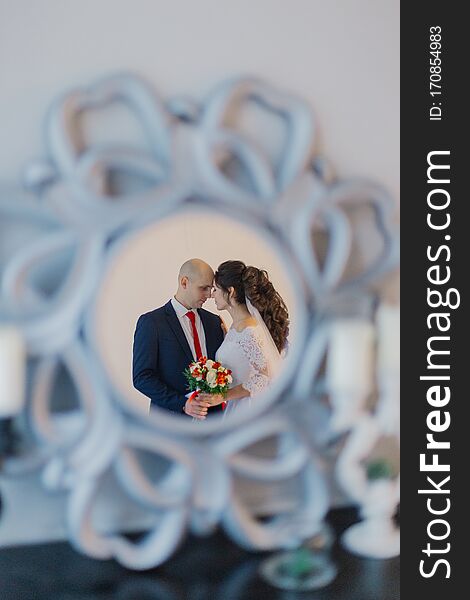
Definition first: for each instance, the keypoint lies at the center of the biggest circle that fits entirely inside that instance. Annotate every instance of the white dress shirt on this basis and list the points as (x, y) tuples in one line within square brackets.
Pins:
[(188, 330)]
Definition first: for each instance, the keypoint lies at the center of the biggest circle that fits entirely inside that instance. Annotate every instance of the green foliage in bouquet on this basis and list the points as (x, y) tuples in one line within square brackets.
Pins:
[(221, 378)]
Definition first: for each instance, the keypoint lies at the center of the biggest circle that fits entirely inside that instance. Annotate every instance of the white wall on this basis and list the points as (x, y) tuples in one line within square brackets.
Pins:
[(341, 55)]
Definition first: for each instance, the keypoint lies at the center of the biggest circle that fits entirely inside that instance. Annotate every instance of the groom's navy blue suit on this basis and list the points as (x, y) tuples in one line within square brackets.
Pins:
[(161, 353)]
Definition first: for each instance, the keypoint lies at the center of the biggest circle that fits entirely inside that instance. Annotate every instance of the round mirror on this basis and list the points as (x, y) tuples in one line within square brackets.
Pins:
[(143, 275)]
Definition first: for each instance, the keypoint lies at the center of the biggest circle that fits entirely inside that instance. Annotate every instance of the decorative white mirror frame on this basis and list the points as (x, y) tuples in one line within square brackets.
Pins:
[(70, 201)]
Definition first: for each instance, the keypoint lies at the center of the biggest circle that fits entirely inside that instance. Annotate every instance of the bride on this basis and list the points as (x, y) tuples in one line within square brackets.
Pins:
[(253, 345)]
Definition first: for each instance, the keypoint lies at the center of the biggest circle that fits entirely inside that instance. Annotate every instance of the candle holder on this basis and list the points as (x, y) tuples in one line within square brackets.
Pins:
[(308, 567), (358, 370), (374, 489)]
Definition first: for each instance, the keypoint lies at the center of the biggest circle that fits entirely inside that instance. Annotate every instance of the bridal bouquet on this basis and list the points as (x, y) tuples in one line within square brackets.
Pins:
[(208, 376)]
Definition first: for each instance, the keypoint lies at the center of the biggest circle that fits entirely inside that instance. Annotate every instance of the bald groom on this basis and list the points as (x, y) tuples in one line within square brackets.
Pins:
[(167, 339)]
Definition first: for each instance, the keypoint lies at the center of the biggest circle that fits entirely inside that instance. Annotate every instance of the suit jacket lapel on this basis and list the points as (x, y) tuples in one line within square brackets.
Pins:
[(175, 325)]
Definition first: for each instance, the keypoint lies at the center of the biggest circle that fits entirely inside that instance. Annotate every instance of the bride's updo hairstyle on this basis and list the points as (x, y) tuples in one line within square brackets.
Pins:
[(254, 284)]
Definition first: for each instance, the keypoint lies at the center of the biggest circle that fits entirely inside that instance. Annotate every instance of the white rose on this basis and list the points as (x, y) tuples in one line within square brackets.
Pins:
[(209, 364), (229, 379), (211, 377)]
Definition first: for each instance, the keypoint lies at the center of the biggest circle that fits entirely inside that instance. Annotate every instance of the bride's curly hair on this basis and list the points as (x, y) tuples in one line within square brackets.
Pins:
[(254, 284)]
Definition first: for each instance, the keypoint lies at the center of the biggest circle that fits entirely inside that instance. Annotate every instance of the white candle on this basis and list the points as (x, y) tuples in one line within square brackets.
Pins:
[(388, 326), (12, 371), (350, 356)]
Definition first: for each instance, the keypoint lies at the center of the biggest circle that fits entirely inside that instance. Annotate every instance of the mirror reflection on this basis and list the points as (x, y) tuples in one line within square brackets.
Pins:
[(193, 316)]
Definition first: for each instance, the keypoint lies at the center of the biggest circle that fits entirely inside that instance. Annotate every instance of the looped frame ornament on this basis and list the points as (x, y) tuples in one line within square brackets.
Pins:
[(79, 219)]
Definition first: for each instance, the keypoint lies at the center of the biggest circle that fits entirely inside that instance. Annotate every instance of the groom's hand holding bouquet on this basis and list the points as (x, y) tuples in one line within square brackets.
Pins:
[(207, 377)]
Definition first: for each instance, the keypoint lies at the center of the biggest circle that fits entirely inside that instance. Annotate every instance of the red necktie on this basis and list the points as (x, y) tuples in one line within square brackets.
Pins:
[(197, 343)]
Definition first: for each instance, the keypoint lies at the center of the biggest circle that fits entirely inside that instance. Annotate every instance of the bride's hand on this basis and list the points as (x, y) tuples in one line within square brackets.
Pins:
[(214, 399)]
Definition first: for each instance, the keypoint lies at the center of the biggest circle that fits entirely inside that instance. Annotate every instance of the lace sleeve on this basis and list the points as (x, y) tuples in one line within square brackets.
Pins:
[(252, 345)]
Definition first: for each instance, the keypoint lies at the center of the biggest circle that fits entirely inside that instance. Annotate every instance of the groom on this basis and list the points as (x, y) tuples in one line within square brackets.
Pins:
[(167, 339)]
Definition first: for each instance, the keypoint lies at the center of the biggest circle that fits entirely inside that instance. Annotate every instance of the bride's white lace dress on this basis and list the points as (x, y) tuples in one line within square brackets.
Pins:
[(245, 353)]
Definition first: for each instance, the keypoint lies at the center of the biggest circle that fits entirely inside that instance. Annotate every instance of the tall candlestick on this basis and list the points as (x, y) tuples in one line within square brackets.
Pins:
[(388, 325), (349, 370), (388, 368), (350, 357), (12, 371)]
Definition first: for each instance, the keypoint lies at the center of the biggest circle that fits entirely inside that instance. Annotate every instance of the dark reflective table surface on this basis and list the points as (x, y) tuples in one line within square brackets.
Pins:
[(203, 568)]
